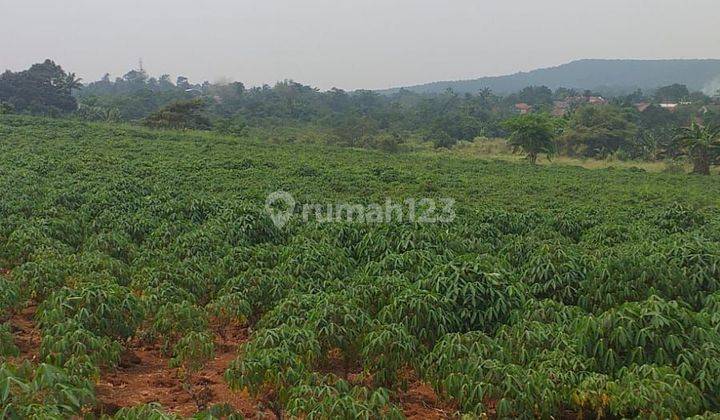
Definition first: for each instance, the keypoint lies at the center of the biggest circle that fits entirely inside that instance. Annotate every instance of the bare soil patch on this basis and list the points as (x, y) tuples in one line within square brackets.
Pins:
[(25, 335), (144, 376)]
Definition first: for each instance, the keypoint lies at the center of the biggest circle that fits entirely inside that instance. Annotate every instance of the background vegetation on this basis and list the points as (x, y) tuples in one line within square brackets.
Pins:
[(639, 126)]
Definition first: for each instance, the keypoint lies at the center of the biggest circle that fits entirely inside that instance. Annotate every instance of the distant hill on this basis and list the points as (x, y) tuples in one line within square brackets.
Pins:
[(607, 76)]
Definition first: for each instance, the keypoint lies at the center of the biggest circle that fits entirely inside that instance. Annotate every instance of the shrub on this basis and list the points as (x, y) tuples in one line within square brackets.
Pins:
[(44, 391), (173, 321), (341, 400), (645, 391), (480, 297), (426, 315), (7, 345), (105, 309), (180, 115), (80, 351), (386, 350)]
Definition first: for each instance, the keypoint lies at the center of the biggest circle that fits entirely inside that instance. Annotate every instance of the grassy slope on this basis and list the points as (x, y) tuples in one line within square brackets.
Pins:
[(63, 153), (498, 149)]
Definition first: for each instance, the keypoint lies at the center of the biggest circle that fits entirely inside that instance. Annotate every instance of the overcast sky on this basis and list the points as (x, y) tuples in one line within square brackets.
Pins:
[(348, 44)]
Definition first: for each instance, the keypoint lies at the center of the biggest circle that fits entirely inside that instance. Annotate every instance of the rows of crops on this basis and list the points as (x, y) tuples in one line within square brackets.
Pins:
[(555, 291)]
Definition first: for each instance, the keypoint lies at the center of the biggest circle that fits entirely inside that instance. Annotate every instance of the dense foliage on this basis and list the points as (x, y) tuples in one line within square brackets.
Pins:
[(555, 290), (639, 125), (44, 88), (533, 134)]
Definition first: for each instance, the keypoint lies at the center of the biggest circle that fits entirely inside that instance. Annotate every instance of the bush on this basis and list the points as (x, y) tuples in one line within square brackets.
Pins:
[(385, 351), (104, 309), (6, 108), (645, 391), (7, 346), (43, 392), (173, 321), (180, 115)]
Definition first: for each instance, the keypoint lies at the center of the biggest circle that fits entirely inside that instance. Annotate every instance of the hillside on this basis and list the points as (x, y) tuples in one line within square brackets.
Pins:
[(613, 76), (141, 276)]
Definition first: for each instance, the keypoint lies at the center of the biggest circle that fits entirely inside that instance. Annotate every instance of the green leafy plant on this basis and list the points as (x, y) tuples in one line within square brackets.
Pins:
[(44, 391), (105, 309), (228, 309), (190, 355), (150, 411), (7, 345), (533, 134), (173, 321), (386, 350), (341, 400), (69, 345), (481, 298), (426, 314), (274, 361), (9, 296), (702, 144), (640, 391)]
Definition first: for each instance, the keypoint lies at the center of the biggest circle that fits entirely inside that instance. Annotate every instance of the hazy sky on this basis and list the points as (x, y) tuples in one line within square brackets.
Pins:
[(348, 44)]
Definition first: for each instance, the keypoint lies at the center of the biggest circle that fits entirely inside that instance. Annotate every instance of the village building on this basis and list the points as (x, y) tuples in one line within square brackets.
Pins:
[(523, 108), (596, 100), (642, 106)]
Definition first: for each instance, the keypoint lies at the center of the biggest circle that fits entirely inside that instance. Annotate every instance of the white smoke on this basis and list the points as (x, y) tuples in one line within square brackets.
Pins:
[(712, 88)]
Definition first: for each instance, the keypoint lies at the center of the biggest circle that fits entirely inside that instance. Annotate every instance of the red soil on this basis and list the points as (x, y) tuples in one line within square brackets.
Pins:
[(420, 402), (25, 335), (144, 376)]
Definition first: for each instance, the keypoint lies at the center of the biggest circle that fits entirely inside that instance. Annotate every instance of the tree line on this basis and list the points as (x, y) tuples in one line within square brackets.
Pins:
[(639, 125)]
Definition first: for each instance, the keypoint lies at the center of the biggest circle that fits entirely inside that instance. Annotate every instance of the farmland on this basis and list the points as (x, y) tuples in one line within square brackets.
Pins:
[(555, 291)]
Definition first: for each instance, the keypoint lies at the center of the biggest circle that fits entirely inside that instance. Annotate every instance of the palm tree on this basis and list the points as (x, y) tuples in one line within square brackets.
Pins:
[(71, 82), (702, 144), (533, 134)]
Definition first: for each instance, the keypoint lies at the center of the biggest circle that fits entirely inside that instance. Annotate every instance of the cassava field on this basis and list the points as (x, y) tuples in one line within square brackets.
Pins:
[(142, 278)]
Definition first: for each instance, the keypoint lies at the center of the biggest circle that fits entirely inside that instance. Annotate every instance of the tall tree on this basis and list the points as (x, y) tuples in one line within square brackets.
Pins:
[(533, 134), (44, 88), (597, 131), (71, 82)]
